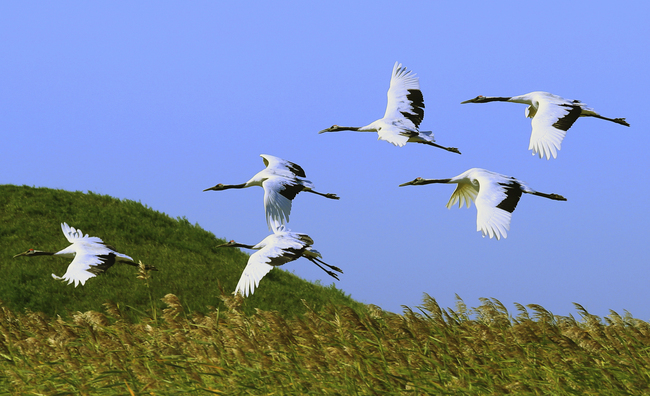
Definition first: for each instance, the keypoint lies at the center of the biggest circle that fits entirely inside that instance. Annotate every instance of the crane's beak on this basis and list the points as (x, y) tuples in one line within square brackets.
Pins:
[(333, 128), (214, 188), (21, 254), (478, 99), (228, 244), (412, 182), (235, 244)]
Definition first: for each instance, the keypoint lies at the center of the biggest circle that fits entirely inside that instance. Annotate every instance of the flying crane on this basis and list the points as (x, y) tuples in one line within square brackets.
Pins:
[(279, 248), (404, 113), (552, 116), (496, 197), (90, 256), (282, 180)]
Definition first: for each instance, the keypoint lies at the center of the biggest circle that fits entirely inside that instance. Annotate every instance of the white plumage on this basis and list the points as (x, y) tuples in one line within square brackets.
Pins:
[(404, 113), (282, 180), (495, 196), (276, 249), (552, 116), (90, 256)]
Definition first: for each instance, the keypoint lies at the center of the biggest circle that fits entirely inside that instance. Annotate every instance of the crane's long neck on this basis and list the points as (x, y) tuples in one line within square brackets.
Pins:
[(496, 99), (32, 252), (336, 128), (242, 185), (420, 181), (354, 129), (484, 99), (42, 253), (236, 244), (220, 187), (431, 181)]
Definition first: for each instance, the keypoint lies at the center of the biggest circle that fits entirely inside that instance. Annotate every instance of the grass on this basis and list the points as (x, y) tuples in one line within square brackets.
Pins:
[(336, 350), (190, 266)]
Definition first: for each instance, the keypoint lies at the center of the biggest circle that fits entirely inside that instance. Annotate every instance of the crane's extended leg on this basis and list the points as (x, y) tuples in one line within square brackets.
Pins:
[(452, 149)]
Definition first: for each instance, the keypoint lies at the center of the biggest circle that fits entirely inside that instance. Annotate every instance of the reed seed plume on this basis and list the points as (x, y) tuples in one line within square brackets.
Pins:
[(327, 350)]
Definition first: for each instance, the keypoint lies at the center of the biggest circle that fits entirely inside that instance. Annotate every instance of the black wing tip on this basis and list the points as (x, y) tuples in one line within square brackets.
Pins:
[(565, 122), (513, 194)]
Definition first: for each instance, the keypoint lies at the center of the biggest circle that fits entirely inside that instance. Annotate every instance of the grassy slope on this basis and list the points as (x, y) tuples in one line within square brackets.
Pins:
[(190, 266)]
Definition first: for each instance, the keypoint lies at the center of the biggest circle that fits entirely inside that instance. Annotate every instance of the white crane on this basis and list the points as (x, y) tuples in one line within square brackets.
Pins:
[(552, 116), (90, 256), (404, 113), (276, 249), (496, 197), (282, 181)]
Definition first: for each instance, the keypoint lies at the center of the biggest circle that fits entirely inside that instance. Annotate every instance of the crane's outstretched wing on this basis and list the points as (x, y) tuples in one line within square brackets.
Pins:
[(550, 124), (465, 193), (405, 99), (255, 270), (282, 167), (86, 265), (278, 194), (494, 206), (74, 235), (397, 131), (490, 218), (277, 249)]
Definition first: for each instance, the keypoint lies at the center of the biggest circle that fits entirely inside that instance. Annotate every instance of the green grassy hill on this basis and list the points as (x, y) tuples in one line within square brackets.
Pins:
[(190, 266)]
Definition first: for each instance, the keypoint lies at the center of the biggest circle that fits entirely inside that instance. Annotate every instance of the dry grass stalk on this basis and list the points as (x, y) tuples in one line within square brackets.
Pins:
[(336, 350)]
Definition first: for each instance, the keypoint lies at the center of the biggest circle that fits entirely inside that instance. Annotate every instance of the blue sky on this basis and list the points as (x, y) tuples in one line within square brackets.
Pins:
[(155, 101)]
